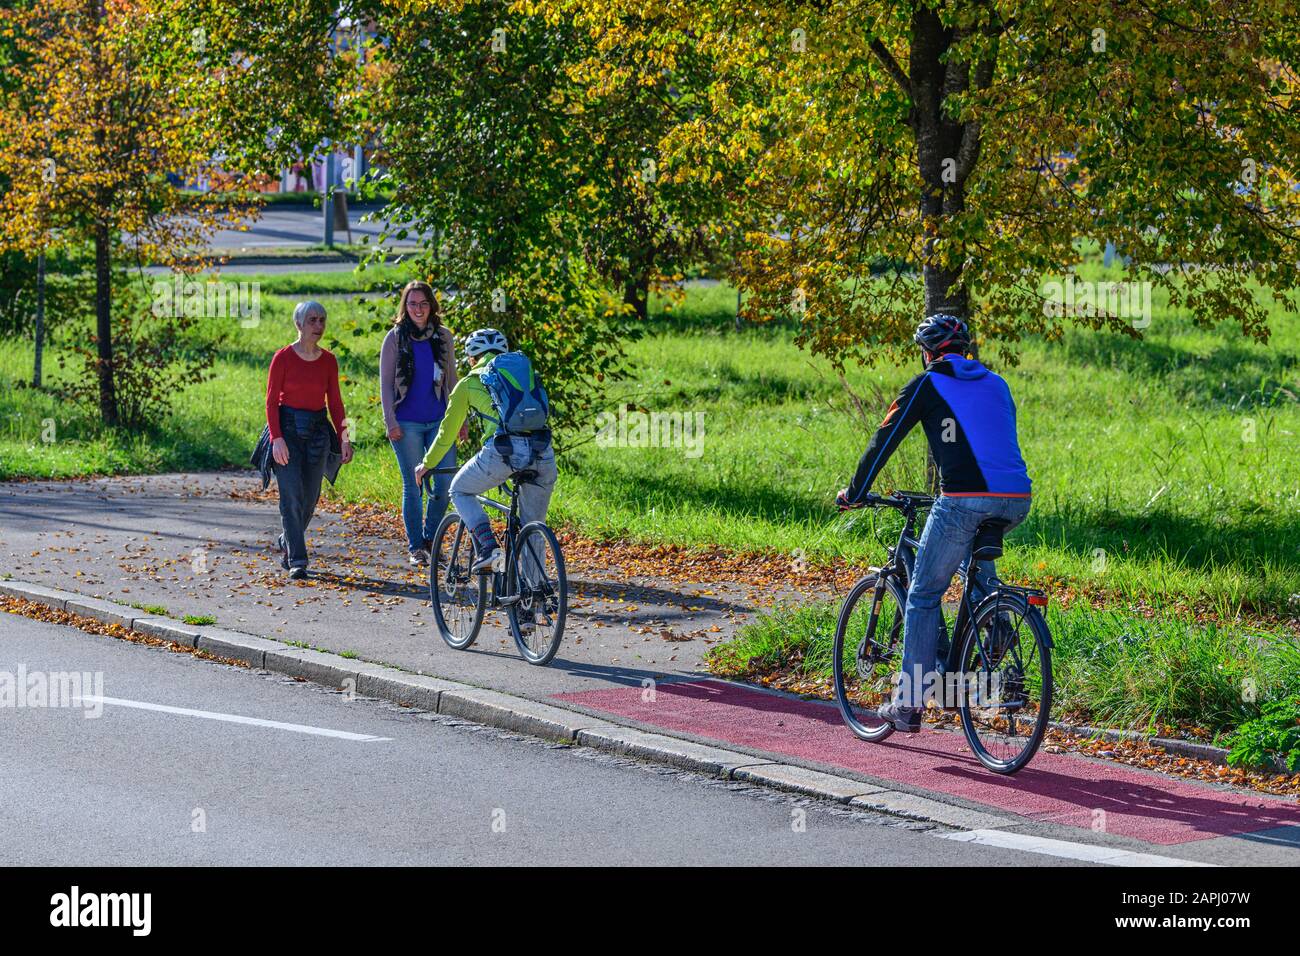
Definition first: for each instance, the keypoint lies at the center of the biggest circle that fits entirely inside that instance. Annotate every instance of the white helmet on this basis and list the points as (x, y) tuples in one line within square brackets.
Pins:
[(485, 340)]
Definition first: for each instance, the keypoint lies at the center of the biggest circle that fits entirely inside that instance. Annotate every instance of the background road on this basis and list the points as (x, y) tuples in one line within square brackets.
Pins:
[(138, 786), (283, 227)]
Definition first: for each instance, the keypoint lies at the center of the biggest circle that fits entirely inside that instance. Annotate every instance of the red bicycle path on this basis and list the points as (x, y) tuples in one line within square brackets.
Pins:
[(1064, 789)]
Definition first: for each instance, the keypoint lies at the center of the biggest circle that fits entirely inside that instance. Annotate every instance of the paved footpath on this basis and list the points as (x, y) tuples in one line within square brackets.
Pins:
[(198, 545)]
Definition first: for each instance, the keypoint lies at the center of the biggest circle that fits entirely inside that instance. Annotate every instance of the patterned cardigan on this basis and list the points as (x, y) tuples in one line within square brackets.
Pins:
[(388, 371)]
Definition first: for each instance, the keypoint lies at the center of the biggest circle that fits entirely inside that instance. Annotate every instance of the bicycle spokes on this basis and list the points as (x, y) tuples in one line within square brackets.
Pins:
[(866, 653), (456, 592), (537, 617), (1007, 694)]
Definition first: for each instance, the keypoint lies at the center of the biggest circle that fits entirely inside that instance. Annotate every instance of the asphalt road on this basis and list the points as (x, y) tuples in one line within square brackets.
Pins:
[(281, 227), (249, 769)]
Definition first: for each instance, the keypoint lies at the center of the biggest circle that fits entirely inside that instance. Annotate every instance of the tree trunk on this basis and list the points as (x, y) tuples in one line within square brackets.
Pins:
[(946, 152), (40, 320), (104, 325), (938, 154), (636, 293)]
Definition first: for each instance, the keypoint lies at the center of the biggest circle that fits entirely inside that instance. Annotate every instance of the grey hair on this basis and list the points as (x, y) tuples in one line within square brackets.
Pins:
[(304, 309)]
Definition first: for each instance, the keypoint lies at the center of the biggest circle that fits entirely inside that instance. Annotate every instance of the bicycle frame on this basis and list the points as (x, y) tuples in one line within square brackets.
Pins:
[(902, 566), (505, 586)]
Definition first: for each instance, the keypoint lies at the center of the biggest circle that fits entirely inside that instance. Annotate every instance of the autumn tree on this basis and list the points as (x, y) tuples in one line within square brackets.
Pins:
[(539, 179), (88, 131), (976, 146)]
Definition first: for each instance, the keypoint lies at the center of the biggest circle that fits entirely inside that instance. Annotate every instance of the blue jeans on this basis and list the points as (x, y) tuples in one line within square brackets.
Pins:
[(417, 438), (492, 466), (945, 546)]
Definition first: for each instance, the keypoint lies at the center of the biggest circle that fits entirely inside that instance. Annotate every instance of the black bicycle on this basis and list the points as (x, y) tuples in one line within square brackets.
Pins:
[(996, 673), (527, 580)]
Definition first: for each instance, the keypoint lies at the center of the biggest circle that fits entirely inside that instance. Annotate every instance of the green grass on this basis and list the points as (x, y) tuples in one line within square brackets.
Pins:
[(151, 608), (1164, 469), (199, 619), (1111, 668)]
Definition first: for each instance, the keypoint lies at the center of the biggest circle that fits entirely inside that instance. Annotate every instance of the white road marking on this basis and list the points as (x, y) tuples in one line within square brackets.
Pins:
[(1086, 852), (235, 719)]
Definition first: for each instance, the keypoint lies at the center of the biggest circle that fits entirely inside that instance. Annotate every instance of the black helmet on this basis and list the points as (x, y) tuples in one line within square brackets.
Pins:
[(941, 333)]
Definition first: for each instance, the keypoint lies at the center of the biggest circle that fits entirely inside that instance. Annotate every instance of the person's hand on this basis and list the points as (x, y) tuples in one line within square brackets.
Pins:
[(280, 452), (420, 472), (464, 433), (842, 501), (395, 433), (347, 451)]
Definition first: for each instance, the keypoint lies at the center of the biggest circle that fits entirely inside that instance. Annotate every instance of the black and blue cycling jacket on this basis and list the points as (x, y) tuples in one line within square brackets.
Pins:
[(970, 420)]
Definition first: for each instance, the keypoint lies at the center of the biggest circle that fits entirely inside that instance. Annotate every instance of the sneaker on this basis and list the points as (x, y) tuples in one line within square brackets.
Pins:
[(284, 552), (905, 719), (484, 564), (419, 558), (298, 574)]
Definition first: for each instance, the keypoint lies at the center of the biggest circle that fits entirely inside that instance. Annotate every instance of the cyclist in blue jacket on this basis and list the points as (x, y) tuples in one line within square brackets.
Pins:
[(969, 419)]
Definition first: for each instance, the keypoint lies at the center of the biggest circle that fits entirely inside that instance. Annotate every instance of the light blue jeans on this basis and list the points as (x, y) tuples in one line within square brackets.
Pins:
[(417, 438), (492, 466), (945, 546)]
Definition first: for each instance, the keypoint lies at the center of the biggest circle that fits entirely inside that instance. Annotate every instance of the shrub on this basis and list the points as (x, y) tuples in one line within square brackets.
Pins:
[(1273, 735), (154, 358)]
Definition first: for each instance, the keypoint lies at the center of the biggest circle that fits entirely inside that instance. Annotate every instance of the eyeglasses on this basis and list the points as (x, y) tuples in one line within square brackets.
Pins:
[(417, 303)]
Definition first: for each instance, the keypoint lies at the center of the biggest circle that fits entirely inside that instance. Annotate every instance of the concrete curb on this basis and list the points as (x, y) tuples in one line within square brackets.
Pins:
[(507, 712)]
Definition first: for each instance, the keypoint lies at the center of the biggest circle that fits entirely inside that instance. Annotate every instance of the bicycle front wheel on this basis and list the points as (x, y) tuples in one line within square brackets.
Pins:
[(459, 596), (537, 617), (1005, 698), (867, 652)]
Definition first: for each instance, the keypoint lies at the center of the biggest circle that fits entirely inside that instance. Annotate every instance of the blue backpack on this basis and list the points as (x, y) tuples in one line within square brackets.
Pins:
[(517, 397)]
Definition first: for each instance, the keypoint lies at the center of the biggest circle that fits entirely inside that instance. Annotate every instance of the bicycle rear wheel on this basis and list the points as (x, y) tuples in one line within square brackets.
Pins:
[(1006, 697), (537, 618), (459, 596), (867, 652)]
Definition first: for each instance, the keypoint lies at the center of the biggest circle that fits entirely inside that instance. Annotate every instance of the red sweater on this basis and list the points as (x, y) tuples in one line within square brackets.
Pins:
[(295, 382)]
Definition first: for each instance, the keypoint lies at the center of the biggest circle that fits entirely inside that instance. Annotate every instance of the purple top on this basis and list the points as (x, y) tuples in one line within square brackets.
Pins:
[(422, 403)]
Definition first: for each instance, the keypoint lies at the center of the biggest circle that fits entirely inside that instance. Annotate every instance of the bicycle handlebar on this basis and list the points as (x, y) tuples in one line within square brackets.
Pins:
[(899, 500)]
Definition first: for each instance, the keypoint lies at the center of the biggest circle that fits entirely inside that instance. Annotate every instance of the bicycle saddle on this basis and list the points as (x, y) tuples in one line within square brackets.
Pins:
[(988, 539), (525, 476)]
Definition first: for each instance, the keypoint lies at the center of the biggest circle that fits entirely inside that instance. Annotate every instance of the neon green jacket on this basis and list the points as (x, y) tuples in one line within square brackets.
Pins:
[(469, 392)]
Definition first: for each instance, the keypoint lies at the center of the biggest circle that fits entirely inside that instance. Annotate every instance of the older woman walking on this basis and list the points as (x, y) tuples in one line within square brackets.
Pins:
[(417, 371), (302, 384)]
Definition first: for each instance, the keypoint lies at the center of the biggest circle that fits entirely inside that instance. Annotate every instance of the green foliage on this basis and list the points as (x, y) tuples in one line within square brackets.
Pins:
[(1112, 669), (980, 144), (1272, 736), (155, 358), (68, 291)]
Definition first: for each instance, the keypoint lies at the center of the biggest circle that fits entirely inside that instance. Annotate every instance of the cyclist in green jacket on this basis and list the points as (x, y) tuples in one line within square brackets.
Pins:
[(500, 456)]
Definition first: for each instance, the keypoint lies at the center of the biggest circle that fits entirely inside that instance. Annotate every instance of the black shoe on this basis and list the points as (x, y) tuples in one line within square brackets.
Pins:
[(284, 552), (904, 719), (298, 574)]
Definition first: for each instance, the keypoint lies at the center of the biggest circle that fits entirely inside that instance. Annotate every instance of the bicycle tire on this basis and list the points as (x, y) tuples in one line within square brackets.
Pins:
[(460, 636), (1041, 662), (854, 714), (557, 590)]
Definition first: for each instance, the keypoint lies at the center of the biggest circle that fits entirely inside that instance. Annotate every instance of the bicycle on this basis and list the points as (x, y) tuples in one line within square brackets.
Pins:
[(997, 679), (531, 589)]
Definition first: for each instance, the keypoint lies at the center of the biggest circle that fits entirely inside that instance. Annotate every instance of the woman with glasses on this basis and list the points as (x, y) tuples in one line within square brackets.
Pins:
[(303, 385), (417, 371)]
